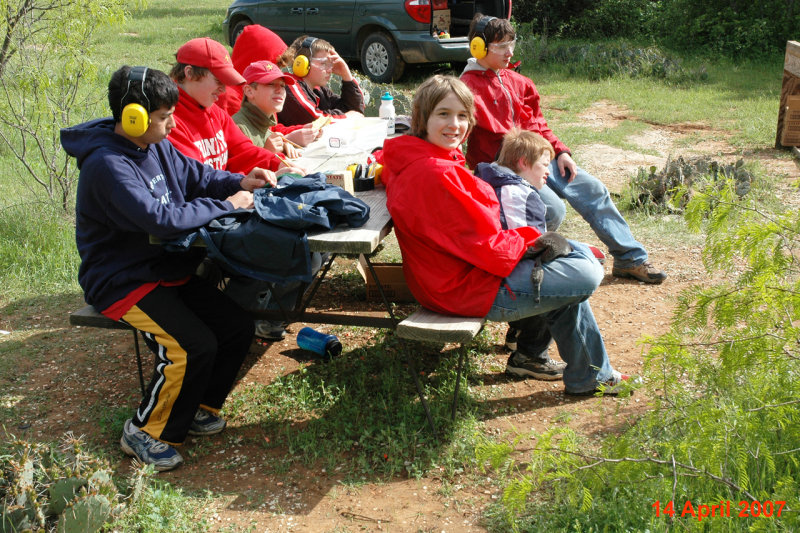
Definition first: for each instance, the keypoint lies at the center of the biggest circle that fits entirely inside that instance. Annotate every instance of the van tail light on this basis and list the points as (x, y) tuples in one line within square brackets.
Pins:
[(419, 10)]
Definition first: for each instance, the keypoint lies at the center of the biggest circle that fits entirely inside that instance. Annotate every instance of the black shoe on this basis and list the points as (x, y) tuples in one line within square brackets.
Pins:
[(512, 335), (523, 366)]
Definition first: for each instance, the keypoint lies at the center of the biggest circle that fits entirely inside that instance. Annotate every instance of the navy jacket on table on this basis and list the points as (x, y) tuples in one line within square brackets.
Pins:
[(269, 242)]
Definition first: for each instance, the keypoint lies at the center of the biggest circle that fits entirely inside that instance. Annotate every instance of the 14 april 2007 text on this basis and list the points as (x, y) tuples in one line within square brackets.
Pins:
[(746, 509)]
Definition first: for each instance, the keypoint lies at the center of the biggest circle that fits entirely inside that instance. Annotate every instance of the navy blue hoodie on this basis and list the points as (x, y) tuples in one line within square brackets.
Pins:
[(520, 203), (125, 194)]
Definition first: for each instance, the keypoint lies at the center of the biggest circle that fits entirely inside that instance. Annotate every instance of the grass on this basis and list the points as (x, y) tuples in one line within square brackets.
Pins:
[(738, 101)]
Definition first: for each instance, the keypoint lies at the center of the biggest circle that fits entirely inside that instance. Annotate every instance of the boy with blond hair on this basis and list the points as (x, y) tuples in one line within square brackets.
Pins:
[(517, 177)]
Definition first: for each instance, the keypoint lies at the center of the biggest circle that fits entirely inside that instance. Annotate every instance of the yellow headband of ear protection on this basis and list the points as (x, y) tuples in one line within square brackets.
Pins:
[(135, 118), (301, 65), (478, 46)]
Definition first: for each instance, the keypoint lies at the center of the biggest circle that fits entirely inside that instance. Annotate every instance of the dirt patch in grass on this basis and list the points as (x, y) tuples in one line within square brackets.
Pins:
[(83, 380)]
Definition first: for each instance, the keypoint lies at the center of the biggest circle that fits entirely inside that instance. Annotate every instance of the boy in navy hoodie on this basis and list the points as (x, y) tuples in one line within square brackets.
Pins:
[(134, 184)]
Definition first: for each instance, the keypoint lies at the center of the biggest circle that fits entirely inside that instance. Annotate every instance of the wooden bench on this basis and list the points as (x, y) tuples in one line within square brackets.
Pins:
[(88, 317), (425, 325)]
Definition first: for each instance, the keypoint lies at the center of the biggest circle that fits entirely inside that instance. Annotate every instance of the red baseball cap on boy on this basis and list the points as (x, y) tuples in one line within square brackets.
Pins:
[(208, 53), (265, 72)]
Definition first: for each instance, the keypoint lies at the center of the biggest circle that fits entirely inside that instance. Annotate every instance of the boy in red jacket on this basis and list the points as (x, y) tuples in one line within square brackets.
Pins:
[(504, 99), (202, 130)]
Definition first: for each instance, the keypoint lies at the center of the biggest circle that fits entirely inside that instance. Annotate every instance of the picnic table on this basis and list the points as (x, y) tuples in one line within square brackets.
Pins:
[(422, 325), (344, 239)]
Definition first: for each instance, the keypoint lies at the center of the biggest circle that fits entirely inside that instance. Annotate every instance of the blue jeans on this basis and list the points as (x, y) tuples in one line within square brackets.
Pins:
[(559, 310), (591, 199)]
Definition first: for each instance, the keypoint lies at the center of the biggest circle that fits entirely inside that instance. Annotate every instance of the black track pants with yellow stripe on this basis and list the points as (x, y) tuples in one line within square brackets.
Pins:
[(200, 338)]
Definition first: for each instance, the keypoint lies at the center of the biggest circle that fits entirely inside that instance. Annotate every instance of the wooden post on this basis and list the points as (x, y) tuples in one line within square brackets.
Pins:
[(788, 133)]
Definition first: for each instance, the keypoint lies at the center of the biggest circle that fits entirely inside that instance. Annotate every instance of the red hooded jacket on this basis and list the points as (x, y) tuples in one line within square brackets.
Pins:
[(503, 99), (212, 137), (447, 222), (255, 43)]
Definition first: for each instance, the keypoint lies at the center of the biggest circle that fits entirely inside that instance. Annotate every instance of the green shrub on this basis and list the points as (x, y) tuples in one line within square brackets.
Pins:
[(63, 486), (736, 29), (611, 58), (732, 28), (723, 380), (672, 187)]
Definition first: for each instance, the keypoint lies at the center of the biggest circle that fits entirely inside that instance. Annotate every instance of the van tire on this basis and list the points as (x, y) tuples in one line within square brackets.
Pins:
[(380, 59), (237, 29)]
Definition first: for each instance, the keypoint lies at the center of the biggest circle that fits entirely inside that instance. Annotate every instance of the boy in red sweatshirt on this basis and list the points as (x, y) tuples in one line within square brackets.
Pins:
[(504, 99), (202, 130)]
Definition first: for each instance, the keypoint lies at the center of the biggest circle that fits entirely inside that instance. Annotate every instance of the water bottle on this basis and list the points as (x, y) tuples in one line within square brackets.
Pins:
[(322, 344), (386, 112)]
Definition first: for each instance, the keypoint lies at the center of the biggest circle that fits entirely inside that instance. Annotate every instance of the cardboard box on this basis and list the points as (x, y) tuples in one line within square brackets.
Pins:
[(392, 281), (791, 122), (341, 178), (441, 20)]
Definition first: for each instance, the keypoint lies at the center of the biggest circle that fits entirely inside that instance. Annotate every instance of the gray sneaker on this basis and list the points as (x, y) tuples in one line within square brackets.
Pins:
[(524, 366), (645, 272), (618, 384), (206, 423), (270, 330), (148, 450)]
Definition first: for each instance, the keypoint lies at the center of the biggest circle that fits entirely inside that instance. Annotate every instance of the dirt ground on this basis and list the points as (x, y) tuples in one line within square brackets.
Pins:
[(312, 501)]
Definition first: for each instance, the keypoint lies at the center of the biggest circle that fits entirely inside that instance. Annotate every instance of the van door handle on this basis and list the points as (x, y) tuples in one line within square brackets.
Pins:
[(296, 11), (312, 11)]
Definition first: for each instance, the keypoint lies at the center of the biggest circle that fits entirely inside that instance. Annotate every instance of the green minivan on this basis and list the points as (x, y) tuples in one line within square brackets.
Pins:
[(384, 35)]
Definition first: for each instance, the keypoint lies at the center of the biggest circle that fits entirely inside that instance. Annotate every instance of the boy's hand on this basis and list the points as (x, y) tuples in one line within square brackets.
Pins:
[(340, 66), (274, 143), (241, 200), (353, 113), (565, 162), (291, 170), (257, 178), (290, 151), (305, 135)]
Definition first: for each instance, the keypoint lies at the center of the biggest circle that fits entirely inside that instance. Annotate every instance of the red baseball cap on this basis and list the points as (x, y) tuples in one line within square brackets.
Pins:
[(208, 53), (265, 72)]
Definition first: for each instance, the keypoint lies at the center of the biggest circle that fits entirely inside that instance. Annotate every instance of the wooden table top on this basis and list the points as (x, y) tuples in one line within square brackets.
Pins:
[(364, 240)]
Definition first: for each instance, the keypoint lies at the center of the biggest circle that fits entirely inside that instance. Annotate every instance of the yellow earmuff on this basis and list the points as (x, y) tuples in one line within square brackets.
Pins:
[(301, 65), (477, 46), (135, 118)]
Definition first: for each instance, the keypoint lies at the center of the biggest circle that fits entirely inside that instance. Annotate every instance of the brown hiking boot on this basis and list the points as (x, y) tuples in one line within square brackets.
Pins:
[(645, 272)]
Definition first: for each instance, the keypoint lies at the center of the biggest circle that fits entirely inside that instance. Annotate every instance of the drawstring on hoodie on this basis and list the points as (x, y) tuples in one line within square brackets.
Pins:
[(504, 283)]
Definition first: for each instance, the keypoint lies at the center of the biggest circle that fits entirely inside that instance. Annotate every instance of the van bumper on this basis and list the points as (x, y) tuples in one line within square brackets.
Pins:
[(416, 47)]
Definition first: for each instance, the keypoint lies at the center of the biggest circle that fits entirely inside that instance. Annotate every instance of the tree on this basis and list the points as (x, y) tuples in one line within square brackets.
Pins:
[(46, 73)]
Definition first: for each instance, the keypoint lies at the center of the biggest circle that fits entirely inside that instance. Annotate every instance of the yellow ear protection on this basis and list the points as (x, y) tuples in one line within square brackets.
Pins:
[(477, 46), (301, 65), (365, 177), (135, 118)]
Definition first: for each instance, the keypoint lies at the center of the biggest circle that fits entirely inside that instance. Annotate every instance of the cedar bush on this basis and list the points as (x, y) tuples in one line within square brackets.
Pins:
[(724, 383)]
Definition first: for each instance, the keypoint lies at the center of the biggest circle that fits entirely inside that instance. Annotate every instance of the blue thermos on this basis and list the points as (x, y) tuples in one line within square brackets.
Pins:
[(322, 344)]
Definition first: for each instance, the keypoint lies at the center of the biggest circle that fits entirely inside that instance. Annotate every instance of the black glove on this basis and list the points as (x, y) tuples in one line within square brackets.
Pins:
[(548, 246)]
